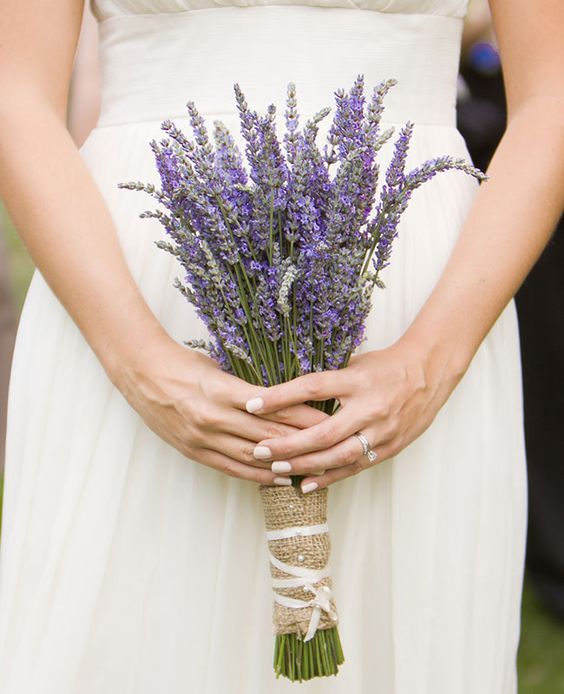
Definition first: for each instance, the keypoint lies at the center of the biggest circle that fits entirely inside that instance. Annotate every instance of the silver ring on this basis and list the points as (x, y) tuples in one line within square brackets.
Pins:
[(363, 442), (366, 450)]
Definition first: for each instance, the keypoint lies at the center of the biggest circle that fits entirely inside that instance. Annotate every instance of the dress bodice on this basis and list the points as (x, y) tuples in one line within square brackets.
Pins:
[(103, 9), (157, 54)]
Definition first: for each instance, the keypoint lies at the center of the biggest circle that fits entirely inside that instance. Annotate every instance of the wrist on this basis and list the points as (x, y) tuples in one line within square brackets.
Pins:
[(124, 362), (442, 355)]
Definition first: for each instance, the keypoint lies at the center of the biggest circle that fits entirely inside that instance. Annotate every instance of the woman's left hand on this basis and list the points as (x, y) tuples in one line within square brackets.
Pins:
[(390, 395)]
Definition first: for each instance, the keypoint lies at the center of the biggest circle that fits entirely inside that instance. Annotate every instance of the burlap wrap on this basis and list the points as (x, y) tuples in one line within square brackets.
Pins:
[(286, 507)]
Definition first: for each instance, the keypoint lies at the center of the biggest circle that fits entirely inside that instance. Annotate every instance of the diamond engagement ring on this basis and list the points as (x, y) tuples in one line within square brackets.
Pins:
[(366, 450)]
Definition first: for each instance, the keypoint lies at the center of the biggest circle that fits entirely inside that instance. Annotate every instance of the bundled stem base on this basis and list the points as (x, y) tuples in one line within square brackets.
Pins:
[(300, 660), (299, 545)]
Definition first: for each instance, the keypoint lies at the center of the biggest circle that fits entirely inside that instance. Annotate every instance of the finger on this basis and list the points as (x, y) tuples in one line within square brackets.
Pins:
[(286, 419), (249, 426), (344, 453), (241, 450), (231, 390), (323, 385), (299, 416), (340, 473), (309, 484), (234, 468), (236, 392), (327, 433), (233, 447)]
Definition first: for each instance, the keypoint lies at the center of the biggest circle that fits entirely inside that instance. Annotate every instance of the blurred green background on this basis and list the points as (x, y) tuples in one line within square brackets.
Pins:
[(541, 654)]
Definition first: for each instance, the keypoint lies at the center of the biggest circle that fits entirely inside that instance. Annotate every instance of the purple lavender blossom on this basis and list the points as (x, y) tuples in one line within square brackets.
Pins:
[(282, 245)]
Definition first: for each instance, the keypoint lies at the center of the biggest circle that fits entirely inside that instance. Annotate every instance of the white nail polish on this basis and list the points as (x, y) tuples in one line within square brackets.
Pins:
[(280, 466), (283, 481), (262, 452), (309, 487), (254, 405)]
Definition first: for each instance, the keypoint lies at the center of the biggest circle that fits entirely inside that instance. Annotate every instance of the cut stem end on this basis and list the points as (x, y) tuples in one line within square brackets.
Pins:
[(300, 660)]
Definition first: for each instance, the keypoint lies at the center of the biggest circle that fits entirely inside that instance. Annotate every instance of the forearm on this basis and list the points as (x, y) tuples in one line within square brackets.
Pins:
[(511, 220), (67, 228)]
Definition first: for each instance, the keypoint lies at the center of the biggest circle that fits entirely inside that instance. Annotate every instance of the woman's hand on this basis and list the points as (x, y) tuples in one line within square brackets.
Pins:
[(391, 396), (186, 399)]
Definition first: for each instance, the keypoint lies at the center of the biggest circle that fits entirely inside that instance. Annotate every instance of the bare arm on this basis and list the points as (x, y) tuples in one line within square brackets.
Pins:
[(516, 211), (48, 191), (393, 395), (67, 228)]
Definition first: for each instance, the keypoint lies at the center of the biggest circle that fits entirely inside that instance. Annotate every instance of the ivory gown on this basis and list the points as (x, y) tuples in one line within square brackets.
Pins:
[(128, 569)]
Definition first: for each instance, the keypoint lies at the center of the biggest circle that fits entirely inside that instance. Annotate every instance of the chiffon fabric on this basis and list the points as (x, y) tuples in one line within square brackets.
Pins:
[(126, 568)]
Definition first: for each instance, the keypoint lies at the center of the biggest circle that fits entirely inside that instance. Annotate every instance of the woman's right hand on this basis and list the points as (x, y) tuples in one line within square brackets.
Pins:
[(190, 402)]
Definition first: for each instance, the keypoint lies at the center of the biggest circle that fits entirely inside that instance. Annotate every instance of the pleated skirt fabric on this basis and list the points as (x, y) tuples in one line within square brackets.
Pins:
[(128, 569)]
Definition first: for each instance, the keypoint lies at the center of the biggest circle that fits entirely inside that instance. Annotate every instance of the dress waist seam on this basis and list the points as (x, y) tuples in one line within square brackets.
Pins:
[(119, 17), (218, 115)]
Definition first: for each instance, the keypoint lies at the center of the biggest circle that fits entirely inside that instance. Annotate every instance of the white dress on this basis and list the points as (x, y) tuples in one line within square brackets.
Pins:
[(127, 568)]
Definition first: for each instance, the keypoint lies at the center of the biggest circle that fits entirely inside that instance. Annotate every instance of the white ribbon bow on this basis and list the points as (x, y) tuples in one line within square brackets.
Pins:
[(321, 601)]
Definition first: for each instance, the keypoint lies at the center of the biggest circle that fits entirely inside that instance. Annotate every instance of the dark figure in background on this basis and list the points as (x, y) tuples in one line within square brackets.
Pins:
[(540, 305)]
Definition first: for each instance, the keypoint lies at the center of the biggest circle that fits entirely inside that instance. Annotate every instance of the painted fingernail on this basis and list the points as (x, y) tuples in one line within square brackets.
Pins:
[(309, 487), (280, 466), (318, 474), (283, 481), (254, 405), (262, 452)]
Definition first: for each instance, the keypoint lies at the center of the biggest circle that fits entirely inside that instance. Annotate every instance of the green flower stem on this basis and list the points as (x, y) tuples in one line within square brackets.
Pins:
[(300, 660), (271, 227), (261, 344)]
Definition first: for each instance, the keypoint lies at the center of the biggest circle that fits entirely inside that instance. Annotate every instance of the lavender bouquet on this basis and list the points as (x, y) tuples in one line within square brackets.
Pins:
[(281, 256)]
